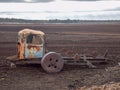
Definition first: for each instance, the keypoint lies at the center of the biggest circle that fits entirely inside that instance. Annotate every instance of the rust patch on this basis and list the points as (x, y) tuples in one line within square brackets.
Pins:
[(22, 42), (28, 31), (77, 57), (21, 46), (21, 50), (34, 47)]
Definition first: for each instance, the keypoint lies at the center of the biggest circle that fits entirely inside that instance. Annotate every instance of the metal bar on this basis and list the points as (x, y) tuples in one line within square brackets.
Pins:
[(71, 61)]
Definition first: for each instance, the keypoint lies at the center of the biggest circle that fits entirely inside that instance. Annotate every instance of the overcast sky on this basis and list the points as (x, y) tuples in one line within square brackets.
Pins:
[(59, 5), (60, 9), (41, 1), (18, 1)]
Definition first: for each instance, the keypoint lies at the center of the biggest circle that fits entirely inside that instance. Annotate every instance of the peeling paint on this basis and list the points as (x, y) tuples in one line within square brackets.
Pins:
[(34, 48)]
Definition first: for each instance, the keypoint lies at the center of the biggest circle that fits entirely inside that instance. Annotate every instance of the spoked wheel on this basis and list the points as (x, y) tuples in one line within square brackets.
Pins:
[(52, 62)]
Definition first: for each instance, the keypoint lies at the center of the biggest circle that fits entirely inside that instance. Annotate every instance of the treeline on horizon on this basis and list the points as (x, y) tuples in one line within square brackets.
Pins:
[(69, 21)]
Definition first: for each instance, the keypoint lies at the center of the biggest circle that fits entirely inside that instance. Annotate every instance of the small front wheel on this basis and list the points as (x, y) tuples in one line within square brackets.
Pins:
[(52, 62)]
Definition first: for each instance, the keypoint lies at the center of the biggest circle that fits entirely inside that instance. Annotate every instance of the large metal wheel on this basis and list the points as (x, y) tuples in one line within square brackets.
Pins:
[(52, 62)]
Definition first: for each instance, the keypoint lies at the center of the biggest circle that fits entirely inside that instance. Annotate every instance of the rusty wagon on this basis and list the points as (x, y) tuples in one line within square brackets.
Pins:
[(31, 47)]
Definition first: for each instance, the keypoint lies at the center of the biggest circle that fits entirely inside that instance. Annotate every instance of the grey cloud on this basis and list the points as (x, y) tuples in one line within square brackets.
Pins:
[(11, 0), (88, 0), (8, 1), (81, 0), (114, 9)]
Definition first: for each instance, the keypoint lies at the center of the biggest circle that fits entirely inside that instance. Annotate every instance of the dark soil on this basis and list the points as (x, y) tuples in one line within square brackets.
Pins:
[(78, 38)]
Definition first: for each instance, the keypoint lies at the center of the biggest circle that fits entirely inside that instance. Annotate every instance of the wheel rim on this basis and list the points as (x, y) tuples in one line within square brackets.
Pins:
[(52, 62)]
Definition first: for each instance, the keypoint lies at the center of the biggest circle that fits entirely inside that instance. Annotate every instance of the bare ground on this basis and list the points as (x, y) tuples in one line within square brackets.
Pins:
[(78, 38)]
